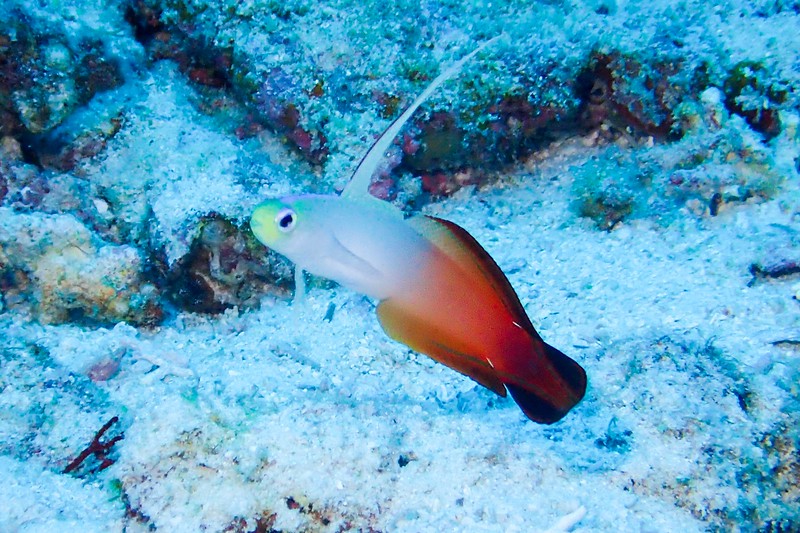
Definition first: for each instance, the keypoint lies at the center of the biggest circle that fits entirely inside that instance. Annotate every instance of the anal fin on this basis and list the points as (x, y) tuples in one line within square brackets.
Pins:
[(404, 327)]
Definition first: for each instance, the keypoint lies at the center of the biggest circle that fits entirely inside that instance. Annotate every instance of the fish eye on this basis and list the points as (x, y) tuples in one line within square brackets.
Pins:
[(286, 219)]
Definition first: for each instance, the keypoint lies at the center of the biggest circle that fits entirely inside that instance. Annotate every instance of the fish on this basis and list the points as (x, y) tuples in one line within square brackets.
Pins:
[(439, 291)]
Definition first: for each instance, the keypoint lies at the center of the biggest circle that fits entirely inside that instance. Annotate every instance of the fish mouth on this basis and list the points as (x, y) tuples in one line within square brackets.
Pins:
[(256, 223), (262, 224)]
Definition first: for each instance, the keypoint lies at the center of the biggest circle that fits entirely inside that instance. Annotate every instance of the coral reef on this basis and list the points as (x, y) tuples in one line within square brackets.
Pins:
[(250, 80), (311, 104), (529, 98)]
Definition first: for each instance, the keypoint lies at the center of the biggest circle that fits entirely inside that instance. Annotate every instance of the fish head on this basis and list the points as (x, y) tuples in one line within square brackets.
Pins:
[(278, 224), (298, 227), (363, 244)]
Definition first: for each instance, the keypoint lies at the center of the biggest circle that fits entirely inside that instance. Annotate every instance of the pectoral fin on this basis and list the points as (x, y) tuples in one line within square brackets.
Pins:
[(404, 327)]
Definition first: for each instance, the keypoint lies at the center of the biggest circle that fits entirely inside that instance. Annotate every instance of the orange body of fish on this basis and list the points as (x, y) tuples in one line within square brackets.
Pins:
[(463, 312)]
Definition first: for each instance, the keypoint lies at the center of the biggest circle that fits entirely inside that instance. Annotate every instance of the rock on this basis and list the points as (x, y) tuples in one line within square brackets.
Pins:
[(753, 92), (45, 77), (314, 100), (642, 98), (226, 268), (723, 163), (56, 267)]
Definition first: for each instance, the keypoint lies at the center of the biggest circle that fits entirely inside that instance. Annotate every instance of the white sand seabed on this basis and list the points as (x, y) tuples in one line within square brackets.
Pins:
[(228, 418), (277, 419)]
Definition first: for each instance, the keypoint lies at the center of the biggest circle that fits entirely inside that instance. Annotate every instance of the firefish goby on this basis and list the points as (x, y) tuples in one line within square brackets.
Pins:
[(438, 291)]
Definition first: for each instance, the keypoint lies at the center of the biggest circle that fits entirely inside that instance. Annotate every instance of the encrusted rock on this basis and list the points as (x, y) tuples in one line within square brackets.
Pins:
[(226, 267), (315, 101), (56, 267), (752, 92), (622, 91), (45, 77), (723, 163)]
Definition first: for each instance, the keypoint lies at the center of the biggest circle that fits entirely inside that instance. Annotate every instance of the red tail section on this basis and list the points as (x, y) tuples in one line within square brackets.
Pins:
[(555, 385), (463, 312)]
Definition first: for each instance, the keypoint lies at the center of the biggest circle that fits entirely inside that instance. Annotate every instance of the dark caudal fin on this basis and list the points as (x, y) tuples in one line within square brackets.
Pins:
[(545, 408)]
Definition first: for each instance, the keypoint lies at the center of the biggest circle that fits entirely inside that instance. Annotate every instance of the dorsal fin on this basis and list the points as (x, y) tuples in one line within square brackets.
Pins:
[(359, 183), (462, 247)]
